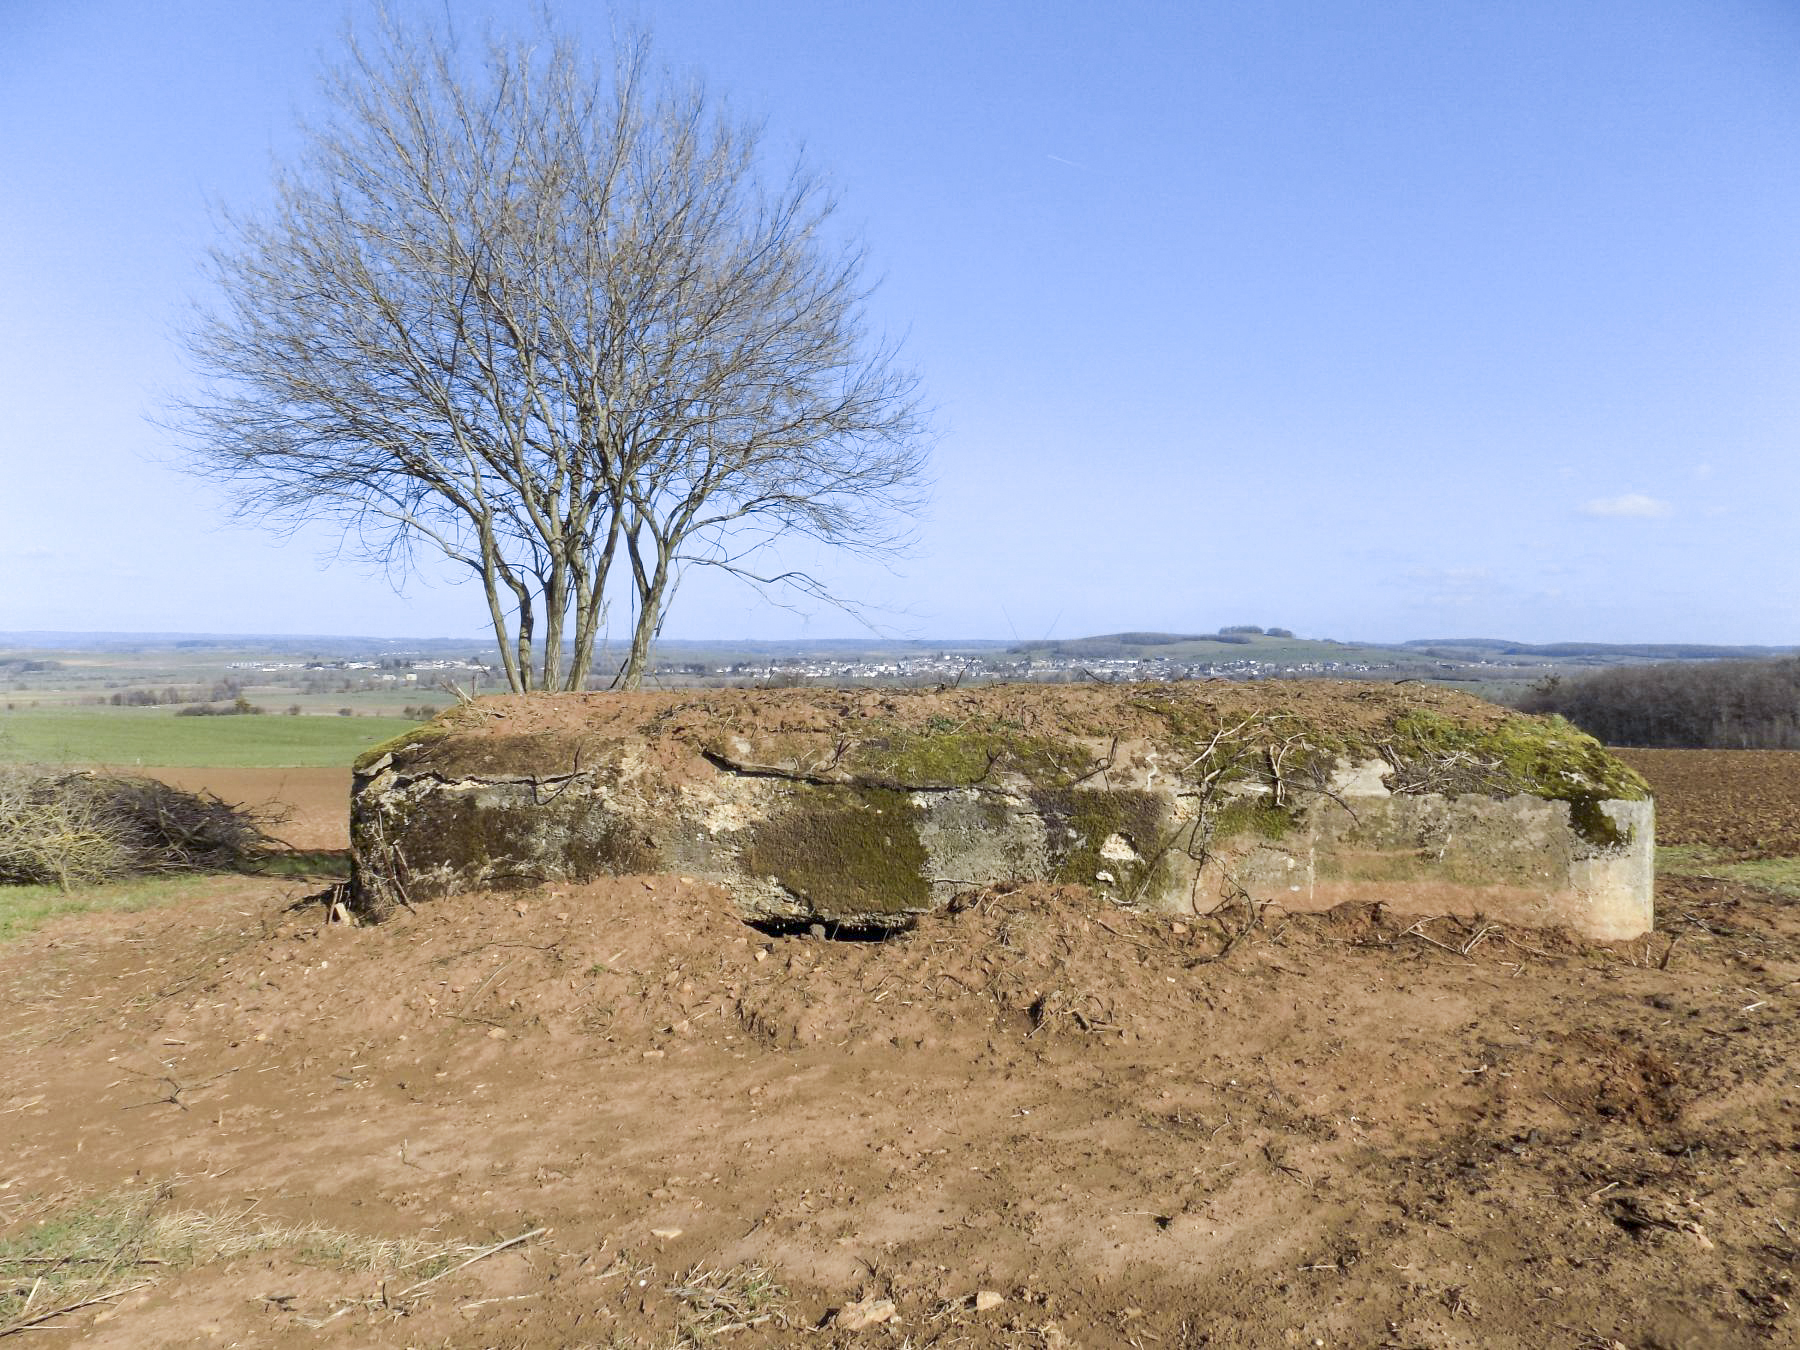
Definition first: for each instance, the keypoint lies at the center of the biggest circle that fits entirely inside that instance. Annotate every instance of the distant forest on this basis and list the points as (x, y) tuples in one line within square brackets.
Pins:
[(1713, 705)]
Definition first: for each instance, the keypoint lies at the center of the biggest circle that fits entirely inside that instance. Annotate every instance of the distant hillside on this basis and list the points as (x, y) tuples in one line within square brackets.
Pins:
[(1228, 646), (1114, 646), (1606, 651)]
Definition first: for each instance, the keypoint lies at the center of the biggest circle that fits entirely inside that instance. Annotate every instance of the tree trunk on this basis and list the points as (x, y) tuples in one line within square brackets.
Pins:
[(590, 607), (649, 622), (556, 606), (522, 681)]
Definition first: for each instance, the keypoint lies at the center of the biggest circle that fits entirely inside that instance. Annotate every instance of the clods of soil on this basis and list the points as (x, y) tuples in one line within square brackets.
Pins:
[(1032, 1120)]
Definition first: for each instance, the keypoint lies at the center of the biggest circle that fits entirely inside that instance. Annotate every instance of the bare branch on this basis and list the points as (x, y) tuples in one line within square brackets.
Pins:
[(519, 311)]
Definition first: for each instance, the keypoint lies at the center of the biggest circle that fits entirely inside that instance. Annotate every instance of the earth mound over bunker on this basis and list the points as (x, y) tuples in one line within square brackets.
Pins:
[(864, 808)]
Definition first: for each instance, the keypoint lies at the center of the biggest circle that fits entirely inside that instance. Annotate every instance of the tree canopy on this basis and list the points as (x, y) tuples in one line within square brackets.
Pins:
[(552, 318)]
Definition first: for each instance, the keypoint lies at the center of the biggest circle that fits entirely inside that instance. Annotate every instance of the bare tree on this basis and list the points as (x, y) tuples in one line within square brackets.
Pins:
[(533, 311)]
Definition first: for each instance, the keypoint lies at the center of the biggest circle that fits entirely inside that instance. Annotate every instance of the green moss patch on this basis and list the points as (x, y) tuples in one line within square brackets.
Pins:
[(399, 746), (1079, 821), (845, 849), (507, 843), (962, 754), (1544, 756), (1249, 816)]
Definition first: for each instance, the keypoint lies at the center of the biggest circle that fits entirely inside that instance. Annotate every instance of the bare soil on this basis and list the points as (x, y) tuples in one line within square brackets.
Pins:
[(1347, 707), (1744, 803), (306, 808), (1333, 1130)]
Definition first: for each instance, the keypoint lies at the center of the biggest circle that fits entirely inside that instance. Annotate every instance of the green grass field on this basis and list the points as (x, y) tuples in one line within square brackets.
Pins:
[(1780, 875), (128, 736), (23, 908)]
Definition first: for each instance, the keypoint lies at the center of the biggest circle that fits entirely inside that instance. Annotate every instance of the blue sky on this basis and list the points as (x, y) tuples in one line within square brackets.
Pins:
[(1369, 320)]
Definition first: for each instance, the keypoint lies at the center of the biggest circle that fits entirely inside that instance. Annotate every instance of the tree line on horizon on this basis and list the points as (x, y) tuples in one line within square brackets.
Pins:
[(1697, 705)]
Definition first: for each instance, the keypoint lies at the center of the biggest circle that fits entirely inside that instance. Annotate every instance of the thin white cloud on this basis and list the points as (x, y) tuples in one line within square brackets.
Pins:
[(1633, 504), (1441, 588)]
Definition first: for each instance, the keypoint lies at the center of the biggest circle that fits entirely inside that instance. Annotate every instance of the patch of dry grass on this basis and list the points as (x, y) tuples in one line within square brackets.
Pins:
[(86, 1253), (720, 1301)]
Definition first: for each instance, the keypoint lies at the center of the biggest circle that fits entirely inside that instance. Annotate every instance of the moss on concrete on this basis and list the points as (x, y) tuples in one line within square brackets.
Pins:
[(505, 843), (1248, 815), (844, 850), (963, 754), (1236, 750), (437, 748), (846, 833), (398, 746), (1079, 821), (1544, 756)]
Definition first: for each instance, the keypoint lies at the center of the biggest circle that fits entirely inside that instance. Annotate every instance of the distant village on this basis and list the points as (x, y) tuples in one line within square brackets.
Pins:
[(383, 669), (944, 667), (952, 667)]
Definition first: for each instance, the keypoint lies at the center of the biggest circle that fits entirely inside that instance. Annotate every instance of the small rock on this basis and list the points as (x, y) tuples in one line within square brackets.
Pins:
[(665, 1234), (816, 930), (986, 1300), (865, 1313), (496, 1033), (762, 953)]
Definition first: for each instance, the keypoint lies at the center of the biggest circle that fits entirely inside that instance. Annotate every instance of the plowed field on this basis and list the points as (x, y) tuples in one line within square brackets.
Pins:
[(1339, 1130), (306, 808), (1744, 803)]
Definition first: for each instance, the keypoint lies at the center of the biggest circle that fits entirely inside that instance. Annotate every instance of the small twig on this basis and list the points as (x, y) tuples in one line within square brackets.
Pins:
[(503, 1298), (1487, 930), (1417, 931), (25, 1324), (730, 1327), (481, 988), (481, 1255), (1100, 766), (1123, 937)]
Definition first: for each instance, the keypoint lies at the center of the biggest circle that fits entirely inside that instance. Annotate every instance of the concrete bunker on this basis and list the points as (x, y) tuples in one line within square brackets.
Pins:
[(864, 808)]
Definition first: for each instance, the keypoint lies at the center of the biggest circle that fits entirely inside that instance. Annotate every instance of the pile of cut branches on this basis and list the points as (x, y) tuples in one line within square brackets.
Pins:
[(68, 829)]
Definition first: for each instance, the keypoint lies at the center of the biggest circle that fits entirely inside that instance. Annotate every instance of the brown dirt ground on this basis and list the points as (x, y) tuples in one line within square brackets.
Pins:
[(1341, 1133), (1745, 803), (1346, 706), (306, 808)]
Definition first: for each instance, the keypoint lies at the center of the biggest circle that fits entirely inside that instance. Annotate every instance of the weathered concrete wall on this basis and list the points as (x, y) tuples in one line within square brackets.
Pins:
[(805, 819), (1515, 859)]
